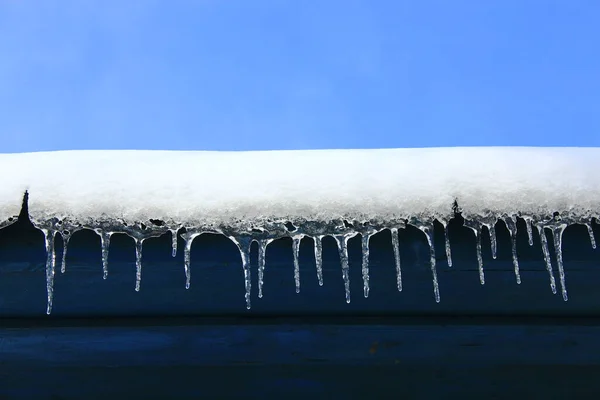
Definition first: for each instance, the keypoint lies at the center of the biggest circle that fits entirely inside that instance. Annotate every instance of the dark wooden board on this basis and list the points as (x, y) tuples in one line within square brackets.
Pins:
[(292, 359), (104, 339)]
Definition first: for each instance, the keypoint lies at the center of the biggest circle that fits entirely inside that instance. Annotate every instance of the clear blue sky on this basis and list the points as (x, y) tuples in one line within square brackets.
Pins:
[(298, 74)]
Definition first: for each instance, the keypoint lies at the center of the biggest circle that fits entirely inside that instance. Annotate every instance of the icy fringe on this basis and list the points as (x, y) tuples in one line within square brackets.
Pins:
[(243, 233)]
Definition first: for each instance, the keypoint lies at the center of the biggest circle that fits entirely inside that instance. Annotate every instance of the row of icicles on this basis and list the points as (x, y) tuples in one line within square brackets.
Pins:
[(244, 242)]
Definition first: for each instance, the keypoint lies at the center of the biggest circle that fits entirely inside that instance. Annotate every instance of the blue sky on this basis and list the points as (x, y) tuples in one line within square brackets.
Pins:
[(298, 74)]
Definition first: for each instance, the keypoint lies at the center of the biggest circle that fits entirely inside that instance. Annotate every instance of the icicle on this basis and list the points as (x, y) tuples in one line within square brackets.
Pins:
[(428, 231), (479, 256), (396, 246), (493, 242), (477, 228), (342, 242), (105, 244), (529, 230), (262, 251), (173, 241), (296, 250), (448, 250), (365, 237), (66, 238), (319, 257), (187, 257), (546, 252), (588, 225), (558, 232), (244, 244), (512, 230), (49, 236), (138, 263), (478, 232)]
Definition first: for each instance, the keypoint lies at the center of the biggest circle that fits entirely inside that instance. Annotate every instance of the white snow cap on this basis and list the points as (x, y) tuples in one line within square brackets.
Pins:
[(12, 188), (221, 187)]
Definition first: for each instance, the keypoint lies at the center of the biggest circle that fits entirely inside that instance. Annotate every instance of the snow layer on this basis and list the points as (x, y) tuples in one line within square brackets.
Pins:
[(224, 187), (12, 188)]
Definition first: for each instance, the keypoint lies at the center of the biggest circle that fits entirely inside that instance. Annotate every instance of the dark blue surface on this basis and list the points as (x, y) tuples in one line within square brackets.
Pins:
[(105, 339), (298, 360)]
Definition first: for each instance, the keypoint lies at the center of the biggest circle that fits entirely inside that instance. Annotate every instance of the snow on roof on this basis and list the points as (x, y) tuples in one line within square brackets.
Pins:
[(12, 188), (221, 187)]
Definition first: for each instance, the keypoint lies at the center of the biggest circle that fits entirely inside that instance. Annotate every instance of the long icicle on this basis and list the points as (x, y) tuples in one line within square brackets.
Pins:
[(63, 264), (558, 232), (319, 257), (342, 242), (447, 244), (365, 237), (478, 233), (428, 231), (528, 224), (296, 250), (590, 230), (262, 253), (49, 236), (396, 247), (187, 257), (512, 230), (244, 245), (138, 263), (105, 245), (546, 252), (493, 241)]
